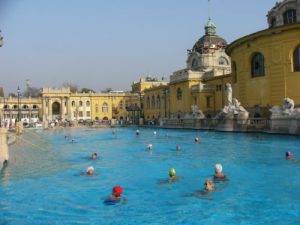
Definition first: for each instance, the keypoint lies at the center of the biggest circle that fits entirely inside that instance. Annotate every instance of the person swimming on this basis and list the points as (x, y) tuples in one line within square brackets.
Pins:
[(116, 196), (137, 132), (94, 155), (90, 170), (178, 148), (74, 141), (209, 185), (150, 147), (218, 172), (154, 133), (288, 155), (197, 140), (172, 175)]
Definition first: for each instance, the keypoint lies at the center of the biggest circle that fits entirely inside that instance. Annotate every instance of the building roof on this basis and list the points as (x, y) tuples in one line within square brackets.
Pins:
[(209, 40)]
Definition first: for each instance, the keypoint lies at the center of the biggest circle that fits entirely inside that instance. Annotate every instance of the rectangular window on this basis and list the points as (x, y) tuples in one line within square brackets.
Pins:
[(88, 113), (80, 114), (207, 101)]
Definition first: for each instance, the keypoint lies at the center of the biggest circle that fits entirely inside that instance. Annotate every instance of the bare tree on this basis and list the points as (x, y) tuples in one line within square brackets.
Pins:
[(32, 92), (73, 87)]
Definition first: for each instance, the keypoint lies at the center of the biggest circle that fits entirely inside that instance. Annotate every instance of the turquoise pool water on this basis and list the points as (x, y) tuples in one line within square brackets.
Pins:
[(44, 185)]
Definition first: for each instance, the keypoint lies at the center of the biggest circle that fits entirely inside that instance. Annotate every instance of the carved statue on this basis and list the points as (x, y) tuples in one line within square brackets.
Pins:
[(286, 110), (197, 113), (229, 93), (233, 108)]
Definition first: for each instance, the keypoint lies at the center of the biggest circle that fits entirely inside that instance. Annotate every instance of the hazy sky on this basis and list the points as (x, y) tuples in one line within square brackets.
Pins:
[(110, 43)]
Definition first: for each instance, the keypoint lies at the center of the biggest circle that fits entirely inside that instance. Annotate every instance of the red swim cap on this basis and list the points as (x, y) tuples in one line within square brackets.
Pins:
[(118, 190)]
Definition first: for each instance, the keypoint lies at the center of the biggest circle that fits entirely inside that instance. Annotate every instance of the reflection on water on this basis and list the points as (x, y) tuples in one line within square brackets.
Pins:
[(32, 156)]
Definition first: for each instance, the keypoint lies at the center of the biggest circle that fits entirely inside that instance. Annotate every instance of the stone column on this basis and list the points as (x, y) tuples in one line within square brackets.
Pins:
[(49, 109), (4, 155), (44, 110)]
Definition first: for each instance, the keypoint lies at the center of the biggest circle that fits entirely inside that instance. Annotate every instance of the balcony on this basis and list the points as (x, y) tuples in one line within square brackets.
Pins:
[(184, 75), (203, 87)]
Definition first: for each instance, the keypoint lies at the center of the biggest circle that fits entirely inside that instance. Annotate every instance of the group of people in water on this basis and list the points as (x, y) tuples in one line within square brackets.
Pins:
[(209, 184)]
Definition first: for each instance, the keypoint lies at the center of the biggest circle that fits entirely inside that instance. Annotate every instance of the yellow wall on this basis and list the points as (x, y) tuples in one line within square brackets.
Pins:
[(277, 45), (183, 105), (158, 110)]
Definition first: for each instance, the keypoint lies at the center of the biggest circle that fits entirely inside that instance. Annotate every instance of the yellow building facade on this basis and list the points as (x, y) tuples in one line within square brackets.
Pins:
[(266, 67)]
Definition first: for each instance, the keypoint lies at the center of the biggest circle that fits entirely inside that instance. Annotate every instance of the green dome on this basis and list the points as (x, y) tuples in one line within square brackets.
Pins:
[(210, 27)]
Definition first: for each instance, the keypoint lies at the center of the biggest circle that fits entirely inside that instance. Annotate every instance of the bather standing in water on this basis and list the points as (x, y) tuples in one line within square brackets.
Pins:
[(219, 175)]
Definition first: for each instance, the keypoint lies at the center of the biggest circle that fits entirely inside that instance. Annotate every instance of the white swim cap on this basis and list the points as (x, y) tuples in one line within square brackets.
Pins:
[(150, 146), (154, 132), (218, 168), (90, 168)]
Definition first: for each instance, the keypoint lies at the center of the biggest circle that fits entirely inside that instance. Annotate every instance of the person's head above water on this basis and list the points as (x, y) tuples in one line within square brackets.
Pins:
[(90, 170), (218, 168), (288, 155), (94, 155), (178, 148), (172, 172), (117, 191), (150, 146), (197, 140), (209, 185)]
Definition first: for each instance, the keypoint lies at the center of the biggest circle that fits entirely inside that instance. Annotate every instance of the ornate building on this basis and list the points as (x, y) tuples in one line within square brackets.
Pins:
[(207, 60), (284, 12), (266, 64)]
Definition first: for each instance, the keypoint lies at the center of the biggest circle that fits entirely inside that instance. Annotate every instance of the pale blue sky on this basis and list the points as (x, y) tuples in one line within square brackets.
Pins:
[(110, 43)]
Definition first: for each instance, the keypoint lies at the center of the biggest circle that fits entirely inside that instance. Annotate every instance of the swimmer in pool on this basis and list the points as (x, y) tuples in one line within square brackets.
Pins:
[(197, 140), (74, 141), (288, 155), (172, 175), (94, 155), (150, 147), (178, 148), (90, 170), (209, 185), (137, 132), (116, 197), (218, 172)]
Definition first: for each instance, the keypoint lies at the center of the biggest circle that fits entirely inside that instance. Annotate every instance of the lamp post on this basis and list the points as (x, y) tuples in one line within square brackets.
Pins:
[(19, 103)]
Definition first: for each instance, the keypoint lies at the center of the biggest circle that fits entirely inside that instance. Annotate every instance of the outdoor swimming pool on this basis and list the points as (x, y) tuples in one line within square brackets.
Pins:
[(43, 185)]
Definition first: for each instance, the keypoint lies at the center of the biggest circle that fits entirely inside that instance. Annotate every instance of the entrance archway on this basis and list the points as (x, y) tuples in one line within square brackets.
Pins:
[(55, 109)]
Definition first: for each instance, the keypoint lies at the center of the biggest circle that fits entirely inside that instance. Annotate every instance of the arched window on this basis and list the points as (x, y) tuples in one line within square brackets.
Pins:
[(194, 63), (153, 102), (234, 74), (223, 61), (25, 106), (6, 106), (296, 59), (15, 106), (258, 65), (289, 16), (179, 94), (158, 102), (104, 108), (80, 103), (148, 102), (73, 103), (35, 107), (121, 104), (88, 103)]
